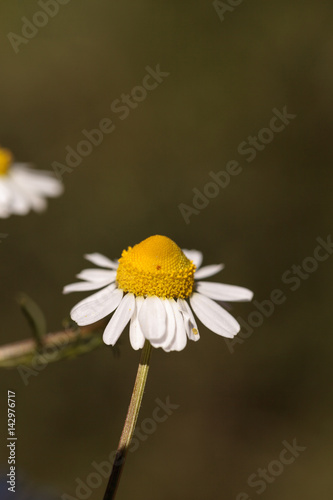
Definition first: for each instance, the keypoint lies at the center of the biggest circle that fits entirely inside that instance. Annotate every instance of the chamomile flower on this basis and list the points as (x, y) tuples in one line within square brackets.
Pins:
[(154, 287), (23, 188)]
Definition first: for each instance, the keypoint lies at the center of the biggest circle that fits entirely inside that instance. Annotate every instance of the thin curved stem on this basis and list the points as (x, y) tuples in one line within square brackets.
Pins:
[(130, 422)]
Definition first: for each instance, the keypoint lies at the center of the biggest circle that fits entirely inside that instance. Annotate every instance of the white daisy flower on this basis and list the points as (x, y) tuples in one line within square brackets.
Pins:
[(23, 188), (153, 287)]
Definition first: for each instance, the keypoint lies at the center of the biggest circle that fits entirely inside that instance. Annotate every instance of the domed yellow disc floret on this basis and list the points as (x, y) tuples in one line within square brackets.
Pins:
[(156, 266), (6, 159)]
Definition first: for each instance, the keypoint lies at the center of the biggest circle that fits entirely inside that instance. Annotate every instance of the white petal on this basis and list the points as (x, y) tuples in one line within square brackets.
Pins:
[(101, 260), (36, 202), (30, 185), (180, 338), (191, 327), (119, 320), (97, 306), (207, 271), (17, 201), (5, 192), (84, 286), (220, 291), (37, 181), (213, 316), (170, 331), (137, 338), (22, 189), (97, 275), (194, 255), (153, 320)]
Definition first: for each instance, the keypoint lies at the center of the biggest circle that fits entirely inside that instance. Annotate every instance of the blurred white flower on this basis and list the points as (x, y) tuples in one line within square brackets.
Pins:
[(150, 286), (22, 188)]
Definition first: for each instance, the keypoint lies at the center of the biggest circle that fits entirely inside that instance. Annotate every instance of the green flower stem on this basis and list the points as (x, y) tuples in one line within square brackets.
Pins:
[(130, 422)]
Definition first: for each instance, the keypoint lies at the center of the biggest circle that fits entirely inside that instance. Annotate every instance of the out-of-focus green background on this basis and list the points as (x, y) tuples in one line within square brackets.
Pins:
[(225, 78)]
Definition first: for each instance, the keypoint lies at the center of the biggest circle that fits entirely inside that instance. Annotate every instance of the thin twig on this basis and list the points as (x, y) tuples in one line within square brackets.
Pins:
[(13, 353)]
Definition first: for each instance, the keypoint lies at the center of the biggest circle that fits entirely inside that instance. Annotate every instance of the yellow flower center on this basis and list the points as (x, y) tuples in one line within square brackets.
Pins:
[(6, 159), (156, 266)]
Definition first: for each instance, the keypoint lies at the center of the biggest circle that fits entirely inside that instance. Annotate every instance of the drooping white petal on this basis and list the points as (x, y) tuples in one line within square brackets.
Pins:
[(206, 271), (170, 331), (40, 182), (180, 338), (84, 286), (194, 255), (5, 192), (20, 204), (213, 316), (221, 291), (97, 275), (119, 320), (101, 260), (33, 187), (153, 320), (23, 189), (137, 338), (34, 199), (191, 326), (13, 197), (97, 306)]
